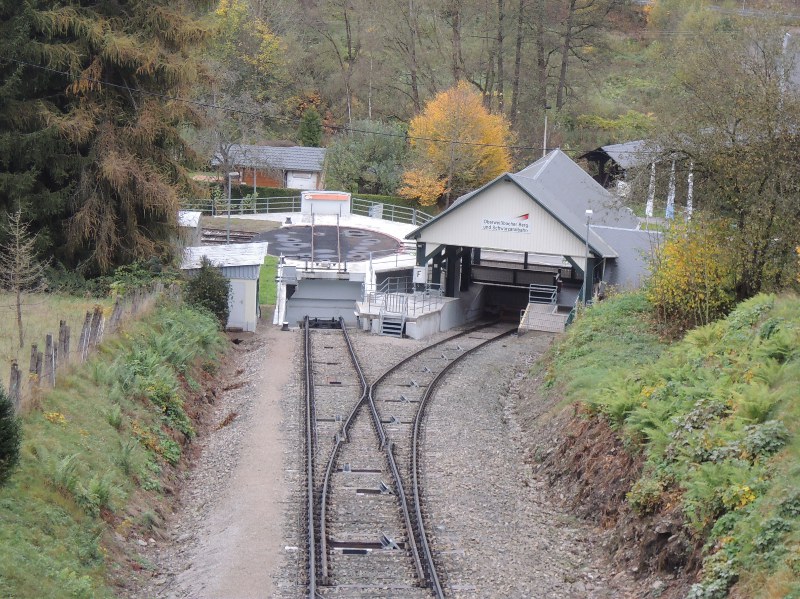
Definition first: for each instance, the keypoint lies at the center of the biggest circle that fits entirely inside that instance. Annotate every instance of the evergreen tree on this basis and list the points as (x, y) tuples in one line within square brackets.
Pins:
[(101, 143), (311, 128), (10, 437), (210, 290)]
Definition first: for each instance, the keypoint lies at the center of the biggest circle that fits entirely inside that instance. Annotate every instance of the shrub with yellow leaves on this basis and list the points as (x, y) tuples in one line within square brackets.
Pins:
[(692, 278)]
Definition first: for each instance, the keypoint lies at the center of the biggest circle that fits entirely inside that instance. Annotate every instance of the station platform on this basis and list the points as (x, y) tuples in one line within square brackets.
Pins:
[(415, 315)]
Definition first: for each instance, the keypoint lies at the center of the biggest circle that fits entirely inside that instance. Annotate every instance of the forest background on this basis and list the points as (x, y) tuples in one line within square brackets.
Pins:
[(106, 110)]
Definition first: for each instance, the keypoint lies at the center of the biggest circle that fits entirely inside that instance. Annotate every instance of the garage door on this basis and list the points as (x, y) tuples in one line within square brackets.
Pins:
[(301, 180)]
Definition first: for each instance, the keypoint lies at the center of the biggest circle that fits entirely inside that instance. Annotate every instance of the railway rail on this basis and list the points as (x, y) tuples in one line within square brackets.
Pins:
[(365, 516)]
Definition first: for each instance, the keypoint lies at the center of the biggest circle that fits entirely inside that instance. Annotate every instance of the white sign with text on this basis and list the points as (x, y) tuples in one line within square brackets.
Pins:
[(520, 224)]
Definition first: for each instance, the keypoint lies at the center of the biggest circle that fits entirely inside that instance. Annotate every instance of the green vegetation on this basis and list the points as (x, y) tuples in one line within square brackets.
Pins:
[(268, 288), (43, 312), (716, 418), (368, 159), (10, 437), (209, 290), (95, 453), (310, 132)]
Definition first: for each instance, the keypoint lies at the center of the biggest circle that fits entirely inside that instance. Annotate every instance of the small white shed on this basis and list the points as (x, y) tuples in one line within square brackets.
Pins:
[(241, 264), (325, 202), (189, 227)]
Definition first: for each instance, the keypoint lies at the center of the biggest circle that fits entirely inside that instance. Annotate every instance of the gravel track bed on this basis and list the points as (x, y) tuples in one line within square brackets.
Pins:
[(493, 529)]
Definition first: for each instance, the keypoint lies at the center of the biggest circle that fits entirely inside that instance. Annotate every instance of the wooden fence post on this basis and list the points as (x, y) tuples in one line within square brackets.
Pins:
[(49, 361), (84, 341), (36, 363), (15, 385), (96, 329), (63, 344), (116, 315)]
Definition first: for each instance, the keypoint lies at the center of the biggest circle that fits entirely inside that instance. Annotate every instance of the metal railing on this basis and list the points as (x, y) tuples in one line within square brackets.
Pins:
[(392, 212), (400, 295), (292, 204), (542, 294), (247, 205)]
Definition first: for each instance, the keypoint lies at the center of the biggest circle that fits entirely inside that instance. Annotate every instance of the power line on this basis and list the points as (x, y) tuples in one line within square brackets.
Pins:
[(199, 103)]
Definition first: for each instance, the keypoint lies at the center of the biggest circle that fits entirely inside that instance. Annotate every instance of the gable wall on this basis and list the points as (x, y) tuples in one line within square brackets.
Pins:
[(504, 201)]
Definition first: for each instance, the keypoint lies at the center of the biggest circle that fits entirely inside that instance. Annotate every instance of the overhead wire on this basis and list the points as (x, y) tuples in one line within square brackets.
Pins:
[(340, 128)]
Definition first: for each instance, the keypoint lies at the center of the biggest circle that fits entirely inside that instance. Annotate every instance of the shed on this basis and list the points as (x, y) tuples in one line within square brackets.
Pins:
[(241, 264), (325, 202), (613, 161), (295, 167), (189, 227)]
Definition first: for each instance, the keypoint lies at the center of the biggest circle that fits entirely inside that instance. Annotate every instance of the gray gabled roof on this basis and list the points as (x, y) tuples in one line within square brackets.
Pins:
[(565, 191), (627, 155), (235, 254), (295, 158)]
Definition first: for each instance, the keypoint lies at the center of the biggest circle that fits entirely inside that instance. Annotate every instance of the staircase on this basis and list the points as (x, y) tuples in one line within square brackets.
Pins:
[(392, 324), (542, 317)]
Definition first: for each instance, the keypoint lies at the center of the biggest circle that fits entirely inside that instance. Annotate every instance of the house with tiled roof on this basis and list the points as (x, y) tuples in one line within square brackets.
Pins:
[(295, 167)]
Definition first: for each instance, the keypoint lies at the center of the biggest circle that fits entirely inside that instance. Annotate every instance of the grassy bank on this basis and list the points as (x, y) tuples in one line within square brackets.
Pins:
[(96, 456), (716, 417), (41, 314), (267, 290)]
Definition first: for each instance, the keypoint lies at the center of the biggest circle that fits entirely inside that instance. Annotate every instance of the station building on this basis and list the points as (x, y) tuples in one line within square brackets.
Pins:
[(520, 247)]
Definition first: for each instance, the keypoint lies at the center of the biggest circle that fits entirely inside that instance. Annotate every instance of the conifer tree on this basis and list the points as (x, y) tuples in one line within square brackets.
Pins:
[(104, 111), (311, 128)]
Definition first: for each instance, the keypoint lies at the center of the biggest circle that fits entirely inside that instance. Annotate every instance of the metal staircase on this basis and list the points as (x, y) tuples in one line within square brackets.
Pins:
[(392, 324), (542, 313)]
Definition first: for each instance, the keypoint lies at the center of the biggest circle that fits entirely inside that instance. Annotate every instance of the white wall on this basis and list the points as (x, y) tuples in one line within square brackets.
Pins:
[(504, 201)]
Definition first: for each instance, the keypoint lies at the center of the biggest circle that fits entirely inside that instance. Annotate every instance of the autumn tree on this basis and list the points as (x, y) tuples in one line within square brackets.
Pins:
[(692, 277), (247, 83), (739, 127), (367, 159), (456, 144)]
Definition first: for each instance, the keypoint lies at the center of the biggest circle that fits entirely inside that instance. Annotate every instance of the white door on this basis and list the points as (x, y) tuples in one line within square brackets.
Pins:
[(237, 319)]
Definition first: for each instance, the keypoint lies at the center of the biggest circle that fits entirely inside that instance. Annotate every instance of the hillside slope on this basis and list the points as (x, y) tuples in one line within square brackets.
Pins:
[(687, 453)]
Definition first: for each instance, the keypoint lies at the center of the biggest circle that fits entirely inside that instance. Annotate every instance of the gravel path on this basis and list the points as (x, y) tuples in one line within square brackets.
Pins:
[(226, 536), (239, 529)]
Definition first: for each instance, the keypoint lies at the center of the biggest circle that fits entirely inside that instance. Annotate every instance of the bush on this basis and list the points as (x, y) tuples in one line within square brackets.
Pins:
[(210, 290), (10, 437), (692, 276)]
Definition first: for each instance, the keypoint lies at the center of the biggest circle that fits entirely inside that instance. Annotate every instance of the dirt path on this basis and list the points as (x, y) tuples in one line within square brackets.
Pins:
[(227, 534)]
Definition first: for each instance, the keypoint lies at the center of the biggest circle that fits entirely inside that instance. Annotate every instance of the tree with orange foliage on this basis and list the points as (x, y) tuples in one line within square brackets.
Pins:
[(457, 145)]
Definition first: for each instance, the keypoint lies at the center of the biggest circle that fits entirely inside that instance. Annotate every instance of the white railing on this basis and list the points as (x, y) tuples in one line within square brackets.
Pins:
[(221, 207), (292, 204), (542, 294), (392, 212)]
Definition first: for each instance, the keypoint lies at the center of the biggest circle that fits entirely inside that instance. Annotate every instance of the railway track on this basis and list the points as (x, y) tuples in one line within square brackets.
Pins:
[(364, 504)]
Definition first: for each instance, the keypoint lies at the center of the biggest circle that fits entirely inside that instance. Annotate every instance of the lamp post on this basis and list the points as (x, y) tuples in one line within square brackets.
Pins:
[(228, 229), (586, 266), (544, 139)]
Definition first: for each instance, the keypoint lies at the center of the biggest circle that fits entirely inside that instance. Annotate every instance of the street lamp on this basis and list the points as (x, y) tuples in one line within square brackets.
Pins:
[(586, 266), (544, 140), (228, 229)]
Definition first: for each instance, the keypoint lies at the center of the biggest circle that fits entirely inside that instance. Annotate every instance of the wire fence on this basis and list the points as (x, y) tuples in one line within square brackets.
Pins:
[(58, 351)]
